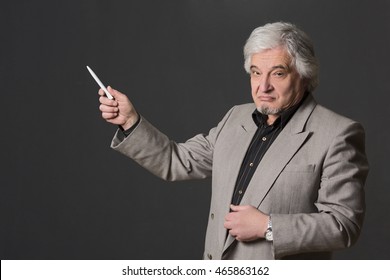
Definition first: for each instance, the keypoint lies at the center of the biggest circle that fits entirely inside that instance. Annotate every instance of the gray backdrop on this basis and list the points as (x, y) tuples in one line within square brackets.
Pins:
[(66, 195)]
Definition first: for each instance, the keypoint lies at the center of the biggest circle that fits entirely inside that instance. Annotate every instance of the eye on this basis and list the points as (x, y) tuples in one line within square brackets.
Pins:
[(279, 74), (255, 73)]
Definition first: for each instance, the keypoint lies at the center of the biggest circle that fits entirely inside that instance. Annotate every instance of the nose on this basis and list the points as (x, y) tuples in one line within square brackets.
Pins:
[(265, 84)]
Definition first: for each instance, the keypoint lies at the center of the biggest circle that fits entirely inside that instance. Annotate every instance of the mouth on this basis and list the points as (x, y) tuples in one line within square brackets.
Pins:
[(266, 98)]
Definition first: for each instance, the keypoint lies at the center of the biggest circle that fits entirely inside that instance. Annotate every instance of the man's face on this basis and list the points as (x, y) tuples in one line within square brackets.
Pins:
[(276, 85)]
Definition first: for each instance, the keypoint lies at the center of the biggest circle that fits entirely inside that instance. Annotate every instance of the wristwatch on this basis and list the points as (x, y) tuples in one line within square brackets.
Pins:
[(268, 233)]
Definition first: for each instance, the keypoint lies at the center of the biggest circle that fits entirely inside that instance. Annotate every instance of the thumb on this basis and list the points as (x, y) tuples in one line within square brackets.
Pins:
[(116, 94), (111, 90), (235, 208)]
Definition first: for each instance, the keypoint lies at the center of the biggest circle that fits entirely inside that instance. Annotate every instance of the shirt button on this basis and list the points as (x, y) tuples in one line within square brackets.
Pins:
[(251, 164), (212, 216), (264, 138), (210, 256)]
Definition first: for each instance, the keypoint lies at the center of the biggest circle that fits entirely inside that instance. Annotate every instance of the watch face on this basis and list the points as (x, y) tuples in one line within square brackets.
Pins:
[(269, 236)]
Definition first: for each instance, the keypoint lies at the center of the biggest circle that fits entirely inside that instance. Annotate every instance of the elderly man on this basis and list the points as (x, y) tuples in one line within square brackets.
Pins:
[(287, 173)]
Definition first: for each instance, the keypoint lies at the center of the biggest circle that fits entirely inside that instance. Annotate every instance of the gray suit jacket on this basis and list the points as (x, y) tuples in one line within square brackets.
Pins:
[(310, 180)]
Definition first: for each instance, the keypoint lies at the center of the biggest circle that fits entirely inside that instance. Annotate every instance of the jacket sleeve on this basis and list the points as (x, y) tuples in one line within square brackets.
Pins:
[(165, 158)]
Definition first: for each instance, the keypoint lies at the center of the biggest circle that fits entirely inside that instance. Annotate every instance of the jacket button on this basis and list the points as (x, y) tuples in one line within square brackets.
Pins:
[(210, 256)]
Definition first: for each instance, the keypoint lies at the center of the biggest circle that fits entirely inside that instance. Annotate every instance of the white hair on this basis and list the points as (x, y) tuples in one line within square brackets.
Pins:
[(294, 40)]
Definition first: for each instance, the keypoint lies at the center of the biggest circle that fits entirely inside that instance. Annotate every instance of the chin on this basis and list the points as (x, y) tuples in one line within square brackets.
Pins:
[(266, 110)]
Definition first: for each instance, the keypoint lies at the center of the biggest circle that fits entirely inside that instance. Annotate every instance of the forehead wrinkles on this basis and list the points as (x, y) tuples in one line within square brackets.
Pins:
[(271, 58)]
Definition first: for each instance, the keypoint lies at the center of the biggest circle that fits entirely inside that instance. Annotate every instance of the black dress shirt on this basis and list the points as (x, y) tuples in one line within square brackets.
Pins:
[(261, 141)]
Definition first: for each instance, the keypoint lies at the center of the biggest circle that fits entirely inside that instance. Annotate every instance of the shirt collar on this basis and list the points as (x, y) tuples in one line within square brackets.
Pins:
[(261, 119)]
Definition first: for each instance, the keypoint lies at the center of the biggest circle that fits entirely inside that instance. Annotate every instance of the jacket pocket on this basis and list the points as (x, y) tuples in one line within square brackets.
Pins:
[(307, 168)]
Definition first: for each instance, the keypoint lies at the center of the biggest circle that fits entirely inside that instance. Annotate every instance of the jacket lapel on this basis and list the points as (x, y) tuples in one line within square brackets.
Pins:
[(290, 139)]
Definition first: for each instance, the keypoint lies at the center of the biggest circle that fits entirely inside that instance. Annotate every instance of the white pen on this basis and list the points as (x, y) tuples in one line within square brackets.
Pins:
[(100, 83)]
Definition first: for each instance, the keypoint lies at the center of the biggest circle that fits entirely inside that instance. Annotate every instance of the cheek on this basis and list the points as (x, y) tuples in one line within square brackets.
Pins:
[(253, 87), (254, 92), (286, 90)]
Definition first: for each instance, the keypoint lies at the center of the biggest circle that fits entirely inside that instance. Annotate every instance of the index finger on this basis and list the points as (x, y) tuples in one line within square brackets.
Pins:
[(101, 92), (106, 101)]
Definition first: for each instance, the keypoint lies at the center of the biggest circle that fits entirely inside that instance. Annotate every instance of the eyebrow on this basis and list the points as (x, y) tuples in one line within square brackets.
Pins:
[(280, 66)]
